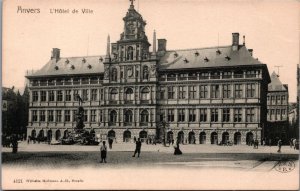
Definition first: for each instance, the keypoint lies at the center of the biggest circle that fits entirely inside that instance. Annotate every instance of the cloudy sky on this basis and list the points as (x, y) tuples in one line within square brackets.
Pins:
[(271, 29)]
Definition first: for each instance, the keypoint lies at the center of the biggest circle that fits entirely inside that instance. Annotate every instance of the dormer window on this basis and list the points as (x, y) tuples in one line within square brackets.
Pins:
[(227, 58), (196, 53), (175, 55), (89, 66), (218, 52), (67, 61), (186, 60), (206, 59), (56, 67), (83, 60), (101, 59), (72, 67)]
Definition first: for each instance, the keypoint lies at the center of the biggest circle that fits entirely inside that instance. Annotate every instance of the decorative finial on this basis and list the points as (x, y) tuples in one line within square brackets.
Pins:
[(244, 40), (131, 2)]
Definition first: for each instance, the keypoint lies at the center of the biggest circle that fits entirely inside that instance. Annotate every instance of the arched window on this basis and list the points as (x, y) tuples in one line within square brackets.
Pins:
[(144, 116), (145, 73), (145, 94), (114, 74), (114, 95), (128, 116), (130, 53), (129, 94), (113, 117)]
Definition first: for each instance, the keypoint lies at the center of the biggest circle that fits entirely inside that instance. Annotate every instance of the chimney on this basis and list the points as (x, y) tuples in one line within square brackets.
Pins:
[(250, 51), (55, 54), (235, 41), (162, 45)]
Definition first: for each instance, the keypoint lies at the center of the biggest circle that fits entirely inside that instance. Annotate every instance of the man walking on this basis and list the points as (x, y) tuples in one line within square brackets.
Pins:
[(103, 150), (110, 142), (138, 145), (279, 145)]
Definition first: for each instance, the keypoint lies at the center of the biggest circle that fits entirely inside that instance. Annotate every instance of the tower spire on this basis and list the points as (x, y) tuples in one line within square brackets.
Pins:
[(131, 4), (107, 57)]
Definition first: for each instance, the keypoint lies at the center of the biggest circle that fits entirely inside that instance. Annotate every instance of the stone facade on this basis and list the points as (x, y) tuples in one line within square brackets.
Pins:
[(204, 95)]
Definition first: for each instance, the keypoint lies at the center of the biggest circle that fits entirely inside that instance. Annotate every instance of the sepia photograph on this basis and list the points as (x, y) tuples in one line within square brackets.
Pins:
[(150, 95)]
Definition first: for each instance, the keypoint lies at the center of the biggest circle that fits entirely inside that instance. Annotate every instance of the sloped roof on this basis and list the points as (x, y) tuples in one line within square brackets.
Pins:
[(207, 57), (72, 66), (276, 84)]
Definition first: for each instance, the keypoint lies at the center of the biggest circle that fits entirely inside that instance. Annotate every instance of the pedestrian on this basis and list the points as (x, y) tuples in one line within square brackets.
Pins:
[(28, 140), (294, 143), (169, 142), (172, 141), (279, 145), (14, 143), (134, 139), (177, 150), (264, 142), (270, 142), (291, 143), (110, 142), (138, 146), (103, 152)]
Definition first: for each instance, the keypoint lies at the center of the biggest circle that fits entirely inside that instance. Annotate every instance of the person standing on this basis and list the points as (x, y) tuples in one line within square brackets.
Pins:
[(279, 145), (138, 145), (110, 142), (103, 152)]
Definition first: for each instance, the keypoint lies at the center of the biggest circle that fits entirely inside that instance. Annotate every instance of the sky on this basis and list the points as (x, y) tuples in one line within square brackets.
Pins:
[(271, 28)]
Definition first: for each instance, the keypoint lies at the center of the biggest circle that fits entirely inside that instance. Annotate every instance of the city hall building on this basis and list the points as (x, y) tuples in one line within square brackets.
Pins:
[(204, 95)]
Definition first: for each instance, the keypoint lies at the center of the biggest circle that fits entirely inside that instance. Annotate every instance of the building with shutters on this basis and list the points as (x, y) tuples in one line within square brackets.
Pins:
[(205, 95)]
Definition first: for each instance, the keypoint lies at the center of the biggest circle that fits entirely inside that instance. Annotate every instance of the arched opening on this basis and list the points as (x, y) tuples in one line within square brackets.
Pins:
[(192, 138), (57, 135), (113, 117), (145, 73), (180, 137), (66, 134), (202, 138), (114, 95), (130, 53), (128, 117), (143, 136), (170, 136), (144, 117), (249, 138), (129, 96), (41, 134), (126, 136), (145, 94), (225, 138), (111, 134), (114, 74), (237, 138), (49, 135), (33, 133), (214, 138)]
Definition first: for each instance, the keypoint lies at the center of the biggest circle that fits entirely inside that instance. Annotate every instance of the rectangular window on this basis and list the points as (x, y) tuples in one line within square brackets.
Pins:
[(59, 96), (170, 115), (67, 116), (51, 95), (278, 117), (203, 115), (283, 99), (161, 115), (85, 116), (171, 92), (94, 95), (101, 94), (34, 115), (101, 116), (58, 116), (85, 95), (214, 115), (42, 116), (226, 115), (74, 116), (181, 115), (226, 91), (76, 92), (250, 115), (182, 92), (50, 116), (43, 95), (162, 93), (215, 91), (35, 96), (203, 91), (238, 115), (192, 115), (250, 90), (192, 92), (238, 91), (68, 95), (93, 115)]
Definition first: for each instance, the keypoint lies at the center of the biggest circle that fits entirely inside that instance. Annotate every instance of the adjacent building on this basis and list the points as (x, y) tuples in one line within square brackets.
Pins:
[(204, 95), (278, 110)]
